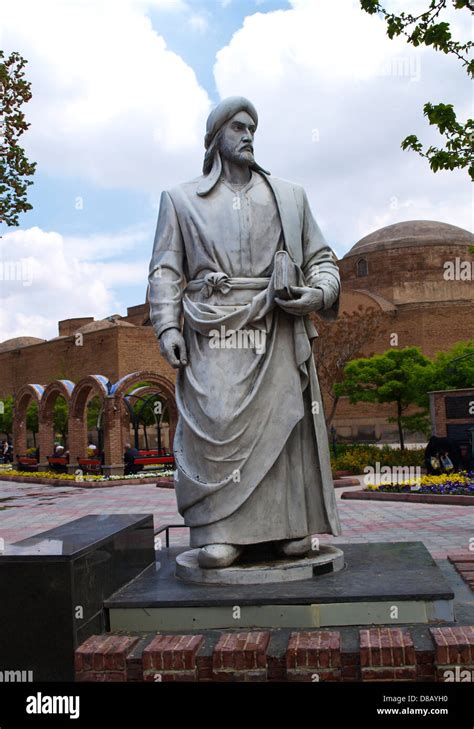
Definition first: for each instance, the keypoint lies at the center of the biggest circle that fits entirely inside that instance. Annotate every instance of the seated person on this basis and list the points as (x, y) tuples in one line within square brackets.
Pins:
[(59, 452), (128, 457), (442, 456)]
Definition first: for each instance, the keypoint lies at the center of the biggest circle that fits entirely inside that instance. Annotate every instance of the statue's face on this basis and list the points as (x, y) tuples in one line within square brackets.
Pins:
[(236, 141)]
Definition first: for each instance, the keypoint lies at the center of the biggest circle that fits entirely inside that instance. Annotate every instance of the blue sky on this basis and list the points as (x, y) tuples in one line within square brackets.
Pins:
[(121, 92), (52, 201)]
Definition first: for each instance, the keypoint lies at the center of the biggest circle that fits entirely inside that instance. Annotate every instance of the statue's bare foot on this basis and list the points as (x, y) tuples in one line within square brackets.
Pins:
[(218, 555), (295, 547)]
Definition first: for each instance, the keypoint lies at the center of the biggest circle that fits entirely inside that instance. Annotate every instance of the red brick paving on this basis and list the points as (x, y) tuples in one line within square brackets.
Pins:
[(31, 509)]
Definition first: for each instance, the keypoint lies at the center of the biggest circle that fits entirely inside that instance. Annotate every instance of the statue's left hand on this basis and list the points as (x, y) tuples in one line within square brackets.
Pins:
[(306, 301)]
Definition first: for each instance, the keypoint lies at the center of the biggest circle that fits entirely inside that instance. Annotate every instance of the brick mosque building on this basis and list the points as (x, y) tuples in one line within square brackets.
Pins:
[(418, 273), (399, 269)]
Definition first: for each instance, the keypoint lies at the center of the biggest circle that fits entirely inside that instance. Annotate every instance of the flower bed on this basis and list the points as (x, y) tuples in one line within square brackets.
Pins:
[(456, 484), (87, 481), (354, 458)]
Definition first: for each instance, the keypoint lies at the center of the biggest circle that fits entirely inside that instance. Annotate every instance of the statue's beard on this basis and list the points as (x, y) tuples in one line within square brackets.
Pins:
[(243, 158)]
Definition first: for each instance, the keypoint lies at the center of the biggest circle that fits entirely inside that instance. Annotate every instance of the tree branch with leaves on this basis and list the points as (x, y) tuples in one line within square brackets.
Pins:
[(430, 29), (15, 169)]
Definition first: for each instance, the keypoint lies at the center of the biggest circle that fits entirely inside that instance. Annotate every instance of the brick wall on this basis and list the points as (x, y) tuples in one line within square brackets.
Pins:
[(112, 352), (439, 419), (368, 654), (413, 274)]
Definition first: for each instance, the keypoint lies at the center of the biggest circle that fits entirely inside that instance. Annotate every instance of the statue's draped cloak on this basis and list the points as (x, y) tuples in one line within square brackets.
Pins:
[(251, 445)]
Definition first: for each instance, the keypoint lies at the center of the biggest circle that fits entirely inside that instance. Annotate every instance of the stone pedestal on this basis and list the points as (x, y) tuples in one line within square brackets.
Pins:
[(395, 583), (327, 559)]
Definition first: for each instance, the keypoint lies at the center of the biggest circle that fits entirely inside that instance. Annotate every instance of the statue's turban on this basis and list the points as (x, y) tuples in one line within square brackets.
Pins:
[(225, 111)]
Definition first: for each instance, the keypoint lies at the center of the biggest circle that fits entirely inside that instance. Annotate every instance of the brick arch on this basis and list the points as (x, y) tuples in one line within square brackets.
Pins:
[(26, 395), (96, 384), (145, 391), (116, 416), (55, 389), (153, 378), (81, 394), (126, 382)]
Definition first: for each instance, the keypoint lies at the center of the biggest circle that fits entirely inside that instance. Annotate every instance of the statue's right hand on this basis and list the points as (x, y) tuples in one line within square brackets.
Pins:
[(173, 347)]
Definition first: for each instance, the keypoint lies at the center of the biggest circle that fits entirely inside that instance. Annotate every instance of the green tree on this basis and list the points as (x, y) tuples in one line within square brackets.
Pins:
[(450, 370), (6, 416), (15, 169), (94, 407), (430, 28), (387, 378), (60, 418), (32, 420), (149, 413)]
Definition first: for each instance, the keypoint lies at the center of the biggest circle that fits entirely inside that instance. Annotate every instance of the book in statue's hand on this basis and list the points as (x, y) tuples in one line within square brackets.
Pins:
[(284, 275)]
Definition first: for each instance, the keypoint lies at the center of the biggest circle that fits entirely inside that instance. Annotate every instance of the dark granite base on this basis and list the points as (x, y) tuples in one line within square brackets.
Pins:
[(382, 583), (53, 587)]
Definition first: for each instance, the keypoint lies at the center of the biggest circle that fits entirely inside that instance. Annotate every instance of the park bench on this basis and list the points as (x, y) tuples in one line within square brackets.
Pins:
[(26, 463), (58, 463), (90, 465), (149, 457)]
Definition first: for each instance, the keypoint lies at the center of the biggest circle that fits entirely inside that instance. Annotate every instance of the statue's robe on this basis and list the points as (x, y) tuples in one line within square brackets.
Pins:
[(251, 445)]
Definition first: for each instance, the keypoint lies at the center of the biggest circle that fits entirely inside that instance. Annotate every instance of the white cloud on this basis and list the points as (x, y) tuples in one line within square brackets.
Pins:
[(102, 246), (335, 98), (198, 23), (111, 103), (46, 272)]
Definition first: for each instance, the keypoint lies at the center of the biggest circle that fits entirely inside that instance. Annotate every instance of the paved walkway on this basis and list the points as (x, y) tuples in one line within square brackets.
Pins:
[(27, 509)]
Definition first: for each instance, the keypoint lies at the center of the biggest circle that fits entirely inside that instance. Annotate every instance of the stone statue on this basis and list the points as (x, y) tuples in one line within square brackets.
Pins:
[(238, 264)]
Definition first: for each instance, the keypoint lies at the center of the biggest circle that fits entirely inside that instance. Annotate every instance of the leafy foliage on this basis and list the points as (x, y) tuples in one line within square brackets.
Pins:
[(385, 378), (32, 423), (6, 418), (451, 370), (356, 457), (60, 418), (430, 30), (15, 169), (404, 377)]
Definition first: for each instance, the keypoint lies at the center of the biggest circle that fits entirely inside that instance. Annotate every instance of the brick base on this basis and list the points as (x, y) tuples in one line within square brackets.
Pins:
[(314, 656), (454, 653), (463, 562), (381, 654), (241, 657), (171, 658), (387, 654), (103, 658)]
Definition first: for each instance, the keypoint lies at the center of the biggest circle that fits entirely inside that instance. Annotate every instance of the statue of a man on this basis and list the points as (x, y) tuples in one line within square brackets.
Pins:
[(238, 265)]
